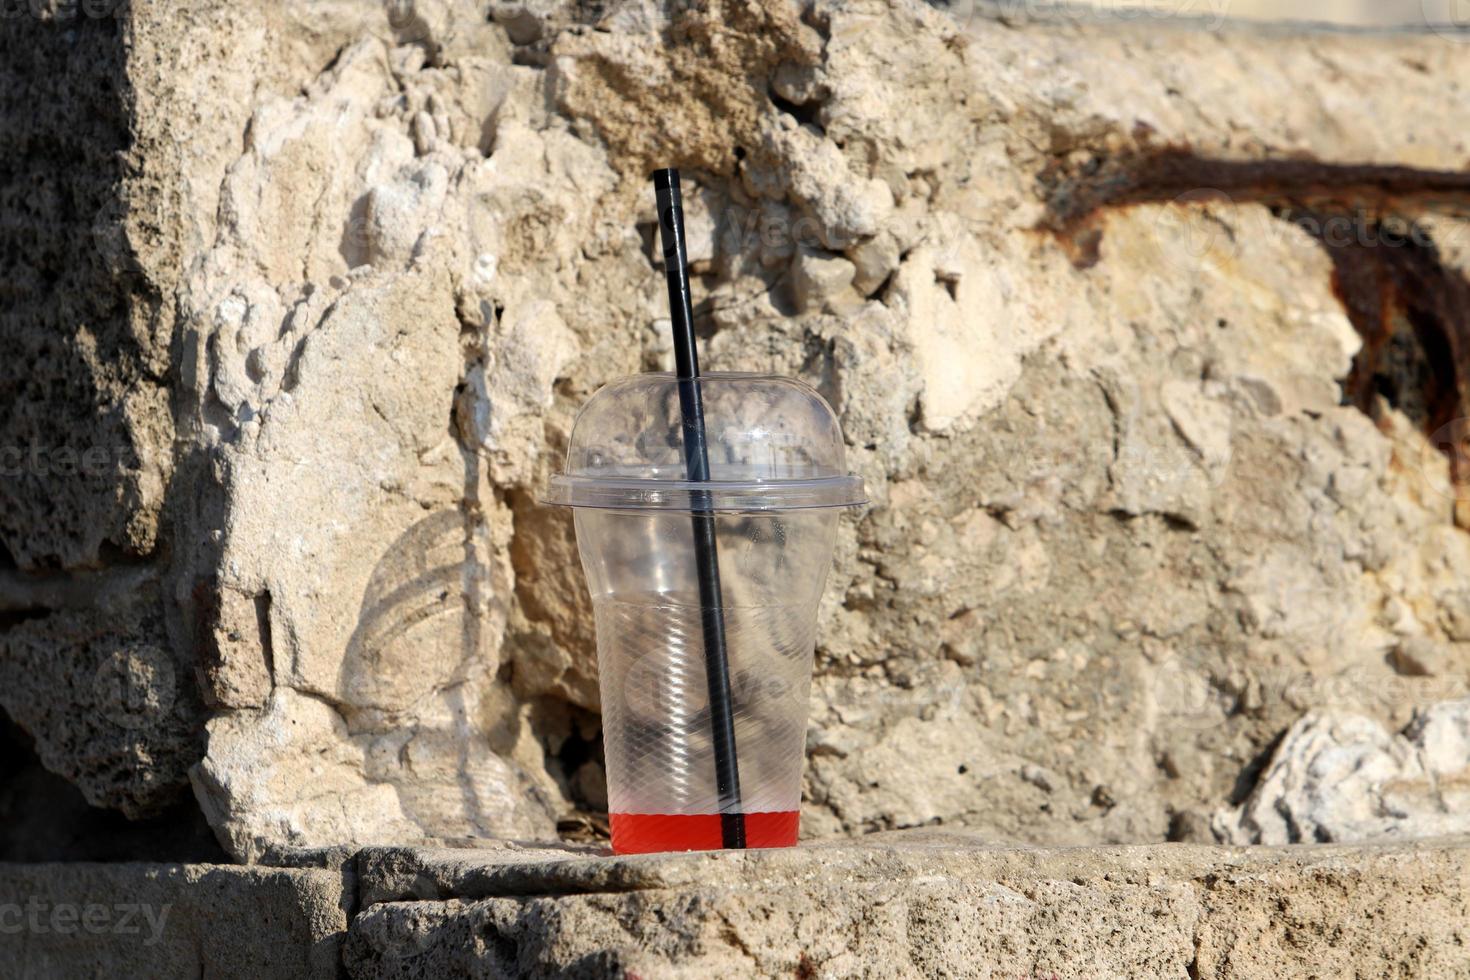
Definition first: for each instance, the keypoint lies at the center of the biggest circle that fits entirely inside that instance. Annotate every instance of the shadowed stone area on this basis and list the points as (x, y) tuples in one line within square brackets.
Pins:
[(170, 921), (43, 818), (88, 666), (86, 430)]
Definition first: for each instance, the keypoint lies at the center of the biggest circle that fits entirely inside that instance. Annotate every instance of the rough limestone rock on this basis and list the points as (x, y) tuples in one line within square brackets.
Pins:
[(1342, 777), (1150, 350), (101, 689), (916, 904)]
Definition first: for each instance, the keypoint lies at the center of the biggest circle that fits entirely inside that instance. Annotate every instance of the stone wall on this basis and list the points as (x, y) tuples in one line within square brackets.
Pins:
[(1148, 338)]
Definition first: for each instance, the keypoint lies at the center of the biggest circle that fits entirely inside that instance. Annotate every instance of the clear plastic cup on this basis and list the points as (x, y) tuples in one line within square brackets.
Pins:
[(777, 484)]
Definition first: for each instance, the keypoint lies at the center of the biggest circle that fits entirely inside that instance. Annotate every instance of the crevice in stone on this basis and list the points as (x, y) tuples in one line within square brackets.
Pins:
[(804, 114), (474, 626), (648, 237), (529, 57), (818, 18), (577, 764), (951, 285), (32, 595), (13, 617), (914, 417), (1250, 773), (570, 736), (880, 291), (328, 67), (45, 818), (111, 555), (820, 365), (267, 644)]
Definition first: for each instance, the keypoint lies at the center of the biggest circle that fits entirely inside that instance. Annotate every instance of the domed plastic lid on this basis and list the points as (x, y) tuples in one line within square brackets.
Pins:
[(774, 444)]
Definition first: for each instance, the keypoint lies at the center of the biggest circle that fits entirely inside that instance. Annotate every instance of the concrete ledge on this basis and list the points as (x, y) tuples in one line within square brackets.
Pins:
[(166, 921), (920, 904), (890, 905)]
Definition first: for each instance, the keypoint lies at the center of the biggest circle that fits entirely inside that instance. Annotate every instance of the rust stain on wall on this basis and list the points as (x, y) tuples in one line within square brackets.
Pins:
[(1411, 309)]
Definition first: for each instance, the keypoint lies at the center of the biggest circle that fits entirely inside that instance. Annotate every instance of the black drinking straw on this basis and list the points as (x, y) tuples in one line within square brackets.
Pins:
[(696, 463)]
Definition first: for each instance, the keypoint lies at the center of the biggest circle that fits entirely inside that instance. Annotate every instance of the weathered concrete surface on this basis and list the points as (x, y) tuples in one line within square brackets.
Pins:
[(65, 921), (921, 904), (913, 903), (1153, 374)]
